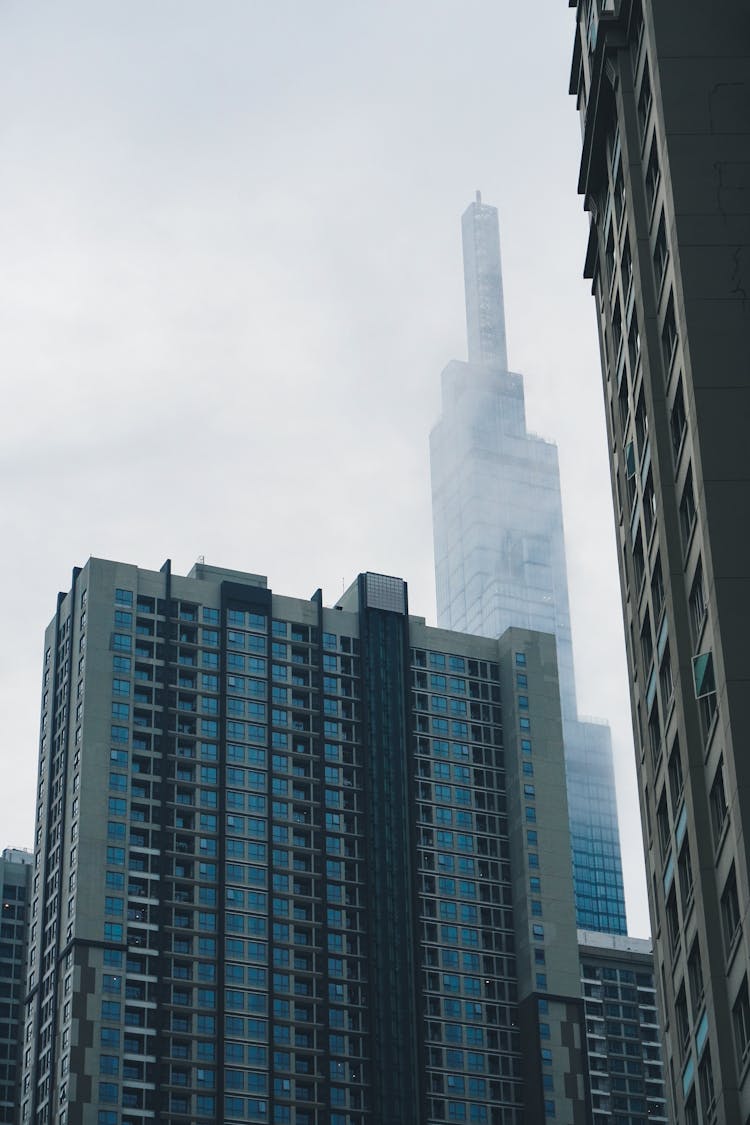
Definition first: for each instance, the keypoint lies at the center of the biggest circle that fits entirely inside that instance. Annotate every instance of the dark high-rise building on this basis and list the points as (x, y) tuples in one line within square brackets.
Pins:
[(626, 1071), (296, 864), (15, 888), (663, 89), (500, 552)]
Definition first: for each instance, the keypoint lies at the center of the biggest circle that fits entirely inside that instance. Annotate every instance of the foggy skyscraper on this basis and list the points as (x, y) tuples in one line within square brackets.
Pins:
[(500, 551)]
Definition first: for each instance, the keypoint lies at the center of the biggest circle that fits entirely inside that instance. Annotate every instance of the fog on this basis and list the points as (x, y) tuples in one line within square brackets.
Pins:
[(230, 276)]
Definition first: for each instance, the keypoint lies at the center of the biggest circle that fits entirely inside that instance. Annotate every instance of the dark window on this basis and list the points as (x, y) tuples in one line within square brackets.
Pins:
[(638, 562), (730, 910), (662, 825), (624, 403), (610, 256), (660, 253), (619, 194), (741, 1017), (654, 733), (617, 327), (685, 869), (676, 779), (647, 644), (649, 506), (678, 420), (644, 100), (683, 1021), (687, 510), (666, 680), (695, 976), (669, 335), (641, 424), (706, 1082), (657, 589), (673, 920), (626, 266), (697, 604), (634, 345), (718, 802), (707, 705), (652, 174)]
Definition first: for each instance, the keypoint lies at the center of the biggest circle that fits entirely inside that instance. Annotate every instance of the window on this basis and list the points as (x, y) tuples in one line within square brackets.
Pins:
[(109, 1064), (647, 643), (676, 779), (619, 194), (730, 911), (718, 802), (687, 510), (617, 327), (741, 1019), (644, 100), (685, 869), (634, 348), (666, 680), (649, 505), (652, 174), (641, 424), (706, 694), (626, 266), (706, 1082), (660, 253), (623, 402), (683, 1021), (697, 604), (678, 421), (673, 921), (654, 733), (669, 335), (695, 976)]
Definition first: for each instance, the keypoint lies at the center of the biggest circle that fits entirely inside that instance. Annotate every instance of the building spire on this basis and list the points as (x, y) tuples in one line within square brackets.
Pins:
[(483, 280)]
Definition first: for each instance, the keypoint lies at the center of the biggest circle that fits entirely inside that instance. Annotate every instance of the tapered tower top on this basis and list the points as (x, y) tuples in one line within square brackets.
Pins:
[(483, 280)]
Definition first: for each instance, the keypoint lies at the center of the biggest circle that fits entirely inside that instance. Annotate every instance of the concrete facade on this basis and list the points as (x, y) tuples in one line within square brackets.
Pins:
[(663, 90)]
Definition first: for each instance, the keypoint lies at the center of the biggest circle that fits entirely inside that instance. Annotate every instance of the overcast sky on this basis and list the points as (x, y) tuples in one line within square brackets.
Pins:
[(230, 275)]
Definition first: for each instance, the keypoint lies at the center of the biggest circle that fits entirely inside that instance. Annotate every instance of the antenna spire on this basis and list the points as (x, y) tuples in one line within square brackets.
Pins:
[(483, 281)]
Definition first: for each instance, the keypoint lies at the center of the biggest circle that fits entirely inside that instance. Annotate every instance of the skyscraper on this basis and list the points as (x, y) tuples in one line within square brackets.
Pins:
[(500, 552), (626, 1071), (663, 90), (15, 888), (296, 864)]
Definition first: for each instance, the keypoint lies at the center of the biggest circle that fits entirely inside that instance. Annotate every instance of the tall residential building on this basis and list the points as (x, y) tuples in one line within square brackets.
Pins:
[(15, 887), (663, 89), (296, 864), (626, 1072), (500, 552)]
